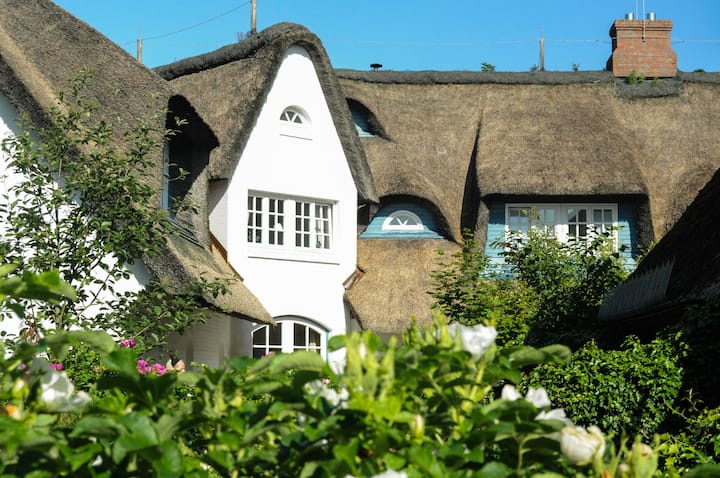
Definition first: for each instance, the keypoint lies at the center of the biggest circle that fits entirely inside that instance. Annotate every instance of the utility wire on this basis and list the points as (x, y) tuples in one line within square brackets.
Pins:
[(164, 35)]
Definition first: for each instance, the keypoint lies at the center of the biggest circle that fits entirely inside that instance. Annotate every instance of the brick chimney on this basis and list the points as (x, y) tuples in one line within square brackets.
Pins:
[(642, 46)]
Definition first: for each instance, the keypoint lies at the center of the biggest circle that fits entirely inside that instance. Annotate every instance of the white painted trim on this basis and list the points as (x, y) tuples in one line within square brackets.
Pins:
[(560, 227)]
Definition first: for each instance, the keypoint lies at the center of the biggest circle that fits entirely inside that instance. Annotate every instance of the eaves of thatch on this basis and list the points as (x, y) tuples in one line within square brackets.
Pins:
[(229, 86), (42, 47), (686, 259), (187, 262), (394, 289), (452, 138)]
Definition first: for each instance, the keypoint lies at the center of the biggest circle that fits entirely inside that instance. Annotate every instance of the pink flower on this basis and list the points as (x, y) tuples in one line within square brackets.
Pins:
[(57, 366), (128, 343), (144, 368), (158, 369)]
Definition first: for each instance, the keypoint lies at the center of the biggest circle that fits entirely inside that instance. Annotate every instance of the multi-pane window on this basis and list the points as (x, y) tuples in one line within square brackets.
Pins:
[(312, 225), (565, 221), (270, 220), (522, 219), (287, 336)]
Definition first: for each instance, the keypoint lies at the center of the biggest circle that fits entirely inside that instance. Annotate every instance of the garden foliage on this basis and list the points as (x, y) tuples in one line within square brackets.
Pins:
[(80, 201), (428, 407)]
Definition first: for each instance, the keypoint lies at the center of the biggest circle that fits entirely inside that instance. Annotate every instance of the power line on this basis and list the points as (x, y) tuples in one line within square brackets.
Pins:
[(164, 35)]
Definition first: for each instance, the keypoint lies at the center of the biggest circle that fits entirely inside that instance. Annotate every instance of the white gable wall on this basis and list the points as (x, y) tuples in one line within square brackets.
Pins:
[(282, 161), (139, 275)]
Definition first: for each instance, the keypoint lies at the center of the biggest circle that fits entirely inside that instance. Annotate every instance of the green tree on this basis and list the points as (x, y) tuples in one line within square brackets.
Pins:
[(85, 204), (465, 290), (569, 280)]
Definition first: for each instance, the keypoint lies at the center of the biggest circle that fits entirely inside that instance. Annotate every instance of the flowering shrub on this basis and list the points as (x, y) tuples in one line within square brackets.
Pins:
[(429, 407)]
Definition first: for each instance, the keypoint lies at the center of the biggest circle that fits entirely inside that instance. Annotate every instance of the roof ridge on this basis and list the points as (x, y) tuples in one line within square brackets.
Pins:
[(285, 32)]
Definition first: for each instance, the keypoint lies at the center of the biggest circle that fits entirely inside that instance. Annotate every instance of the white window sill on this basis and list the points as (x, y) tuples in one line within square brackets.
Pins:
[(295, 254)]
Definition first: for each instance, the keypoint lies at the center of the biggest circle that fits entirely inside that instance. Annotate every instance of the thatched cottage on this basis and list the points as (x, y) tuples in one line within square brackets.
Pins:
[(328, 193), (41, 48), (493, 152)]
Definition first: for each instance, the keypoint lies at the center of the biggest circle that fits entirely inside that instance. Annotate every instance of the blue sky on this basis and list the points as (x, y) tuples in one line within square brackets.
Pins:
[(411, 35)]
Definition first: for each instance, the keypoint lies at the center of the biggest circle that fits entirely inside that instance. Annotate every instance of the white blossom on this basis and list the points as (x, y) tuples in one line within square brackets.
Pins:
[(386, 474), (57, 392), (476, 339), (538, 397), (333, 397), (580, 447), (554, 414), (509, 392)]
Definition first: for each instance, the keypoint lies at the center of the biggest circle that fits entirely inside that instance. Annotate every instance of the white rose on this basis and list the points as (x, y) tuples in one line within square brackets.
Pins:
[(554, 414), (57, 392), (476, 339), (333, 397), (580, 447), (509, 392), (386, 474), (538, 397)]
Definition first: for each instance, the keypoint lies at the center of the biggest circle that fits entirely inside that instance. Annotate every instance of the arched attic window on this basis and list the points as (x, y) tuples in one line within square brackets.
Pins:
[(295, 116), (403, 219), (366, 124)]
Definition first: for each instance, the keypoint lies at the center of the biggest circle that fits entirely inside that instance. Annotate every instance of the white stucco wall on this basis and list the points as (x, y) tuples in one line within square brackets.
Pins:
[(139, 275), (310, 164)]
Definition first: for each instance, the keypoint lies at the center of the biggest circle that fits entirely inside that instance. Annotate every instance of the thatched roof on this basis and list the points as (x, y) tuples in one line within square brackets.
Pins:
[(41, 48), (189, 261), (539, 134), (690, 251), (246, 70), (396, 282)]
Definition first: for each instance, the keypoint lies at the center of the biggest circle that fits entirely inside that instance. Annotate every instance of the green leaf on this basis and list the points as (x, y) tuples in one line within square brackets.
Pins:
[(393, 461), (300, 360), (122, 361), (495, 469), (525, 356), (96, 427), (347, 451), (169, 463), (557, 353)]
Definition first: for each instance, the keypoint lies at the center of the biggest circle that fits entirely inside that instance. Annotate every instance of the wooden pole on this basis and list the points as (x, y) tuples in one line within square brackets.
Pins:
[(139, 50), (253, 17)]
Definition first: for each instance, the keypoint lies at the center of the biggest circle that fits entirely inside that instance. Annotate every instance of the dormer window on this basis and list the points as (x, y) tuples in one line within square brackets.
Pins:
[(293, 116), (362, 126), (295, 123), (402, 221)]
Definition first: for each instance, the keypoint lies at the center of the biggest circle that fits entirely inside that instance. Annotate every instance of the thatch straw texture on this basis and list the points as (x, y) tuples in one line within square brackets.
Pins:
[(246, 71), (41, 48), (539, 134), (693, 244), (187, 262), (396, 282)]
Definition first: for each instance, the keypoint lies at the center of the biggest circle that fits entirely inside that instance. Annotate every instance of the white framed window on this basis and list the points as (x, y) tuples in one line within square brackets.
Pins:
[(295, 123), (293, 115), (286, 225), (566, 221), (288, 335), (403, 220)]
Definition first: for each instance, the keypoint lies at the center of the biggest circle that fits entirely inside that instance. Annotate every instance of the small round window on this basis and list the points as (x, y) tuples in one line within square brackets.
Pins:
[(403, 221), (293, 116)]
